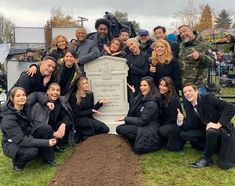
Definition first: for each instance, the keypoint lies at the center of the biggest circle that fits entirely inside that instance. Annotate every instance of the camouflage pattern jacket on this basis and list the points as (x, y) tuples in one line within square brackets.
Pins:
[(195, 71)]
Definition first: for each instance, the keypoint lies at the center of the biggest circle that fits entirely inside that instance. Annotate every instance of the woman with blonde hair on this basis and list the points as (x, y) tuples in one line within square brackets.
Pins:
[(82, 104), (164, 64), (59, 45)]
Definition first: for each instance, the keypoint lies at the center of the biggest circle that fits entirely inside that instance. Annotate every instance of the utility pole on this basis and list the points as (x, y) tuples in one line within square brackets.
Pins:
[(81, 20)]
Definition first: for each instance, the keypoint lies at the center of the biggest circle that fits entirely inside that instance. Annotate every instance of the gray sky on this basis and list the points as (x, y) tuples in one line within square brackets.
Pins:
[(149, 13)]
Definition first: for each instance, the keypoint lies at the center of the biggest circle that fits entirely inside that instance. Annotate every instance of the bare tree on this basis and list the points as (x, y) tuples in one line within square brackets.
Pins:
[(187, 16), (6, 30)]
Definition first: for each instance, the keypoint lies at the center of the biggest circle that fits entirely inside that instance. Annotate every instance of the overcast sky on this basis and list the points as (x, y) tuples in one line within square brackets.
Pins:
[(149, 13)]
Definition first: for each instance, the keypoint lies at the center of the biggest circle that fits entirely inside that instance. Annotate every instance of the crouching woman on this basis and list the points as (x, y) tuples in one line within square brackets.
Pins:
[(18, 142), (141, 123)]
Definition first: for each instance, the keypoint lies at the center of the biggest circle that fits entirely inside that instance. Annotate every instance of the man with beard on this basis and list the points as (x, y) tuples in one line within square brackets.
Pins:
[(193, 58)]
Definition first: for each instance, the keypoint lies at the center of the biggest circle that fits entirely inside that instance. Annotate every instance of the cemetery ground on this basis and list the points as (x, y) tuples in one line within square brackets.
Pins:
[(107, 160)]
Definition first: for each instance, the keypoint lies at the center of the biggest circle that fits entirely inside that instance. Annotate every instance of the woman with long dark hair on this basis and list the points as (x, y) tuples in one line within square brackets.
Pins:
[(169, 130), (142, 121)]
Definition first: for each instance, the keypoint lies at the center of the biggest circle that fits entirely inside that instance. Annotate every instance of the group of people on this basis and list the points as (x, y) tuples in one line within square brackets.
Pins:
[(59, 106)]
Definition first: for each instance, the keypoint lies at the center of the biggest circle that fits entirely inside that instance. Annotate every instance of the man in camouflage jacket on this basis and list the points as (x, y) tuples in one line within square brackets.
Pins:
[(193, 59)]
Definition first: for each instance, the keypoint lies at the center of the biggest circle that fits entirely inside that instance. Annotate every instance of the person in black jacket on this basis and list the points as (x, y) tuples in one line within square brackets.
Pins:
[(138, 63), (82, 104), (169, 131), (19, 142), (102, 36), (160, 33), (39, 81), (59, 45), (142, 121), (164, 64), (57, 115), (207, 126)]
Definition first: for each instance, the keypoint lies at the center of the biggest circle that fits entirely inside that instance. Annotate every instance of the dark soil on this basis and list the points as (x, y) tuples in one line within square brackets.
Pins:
[(102, 160)]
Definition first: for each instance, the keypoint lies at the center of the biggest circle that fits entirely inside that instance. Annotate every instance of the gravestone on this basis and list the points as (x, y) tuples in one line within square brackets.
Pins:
[(107, 78)]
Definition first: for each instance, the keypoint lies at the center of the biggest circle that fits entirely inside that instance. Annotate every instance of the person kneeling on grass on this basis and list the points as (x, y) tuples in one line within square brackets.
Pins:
[(142, 121), (57, 115), (208, 127), (19, 142)]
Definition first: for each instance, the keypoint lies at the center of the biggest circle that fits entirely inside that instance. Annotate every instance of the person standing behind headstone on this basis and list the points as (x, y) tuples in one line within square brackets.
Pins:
[(101, 37), (114, 48), (66, 73), (164, 64), (145, 41), (138, 63), (193, 59), (124, 36), (41, 79), (86, 49), (59, 45), (160, 33)]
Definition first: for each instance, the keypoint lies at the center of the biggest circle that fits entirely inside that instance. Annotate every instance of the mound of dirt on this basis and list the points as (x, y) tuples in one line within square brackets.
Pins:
[(102, 160)]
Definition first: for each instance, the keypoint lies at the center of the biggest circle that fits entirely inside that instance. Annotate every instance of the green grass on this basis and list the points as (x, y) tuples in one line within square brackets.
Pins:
[(172, 168), (35, 173)]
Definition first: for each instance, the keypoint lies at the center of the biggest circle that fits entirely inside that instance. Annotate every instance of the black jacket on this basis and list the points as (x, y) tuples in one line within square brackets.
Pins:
[(31, 84), (169, 112), (40, 114), (85, 107), (138, 68), (172, 70), (212, 109), (17, 130), (144, 114)]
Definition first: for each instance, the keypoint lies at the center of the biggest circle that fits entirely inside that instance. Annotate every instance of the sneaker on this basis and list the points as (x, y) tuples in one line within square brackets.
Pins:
[(51, 163), (202, 163), (17, 168)]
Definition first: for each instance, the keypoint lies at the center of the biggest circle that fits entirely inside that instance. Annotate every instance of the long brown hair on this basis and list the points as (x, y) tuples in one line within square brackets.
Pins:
[(171, 90), (13, 93), (78, 92), (167, 56)]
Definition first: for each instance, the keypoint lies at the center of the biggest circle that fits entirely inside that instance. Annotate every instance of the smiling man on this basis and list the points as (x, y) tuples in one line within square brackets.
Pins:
[(208, 126), (39, 81), (193, 58), (52, 112)]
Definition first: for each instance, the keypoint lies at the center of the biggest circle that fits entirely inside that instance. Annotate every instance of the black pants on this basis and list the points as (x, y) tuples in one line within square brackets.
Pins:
[(171, 134), (197, 138), (207, 140), (128, 131), (89, 126), (45, 132), (25, 155), (213, 139)]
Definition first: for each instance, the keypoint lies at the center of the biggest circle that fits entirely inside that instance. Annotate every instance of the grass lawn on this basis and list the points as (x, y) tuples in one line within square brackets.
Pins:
[(158, 168), (36, 173)]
